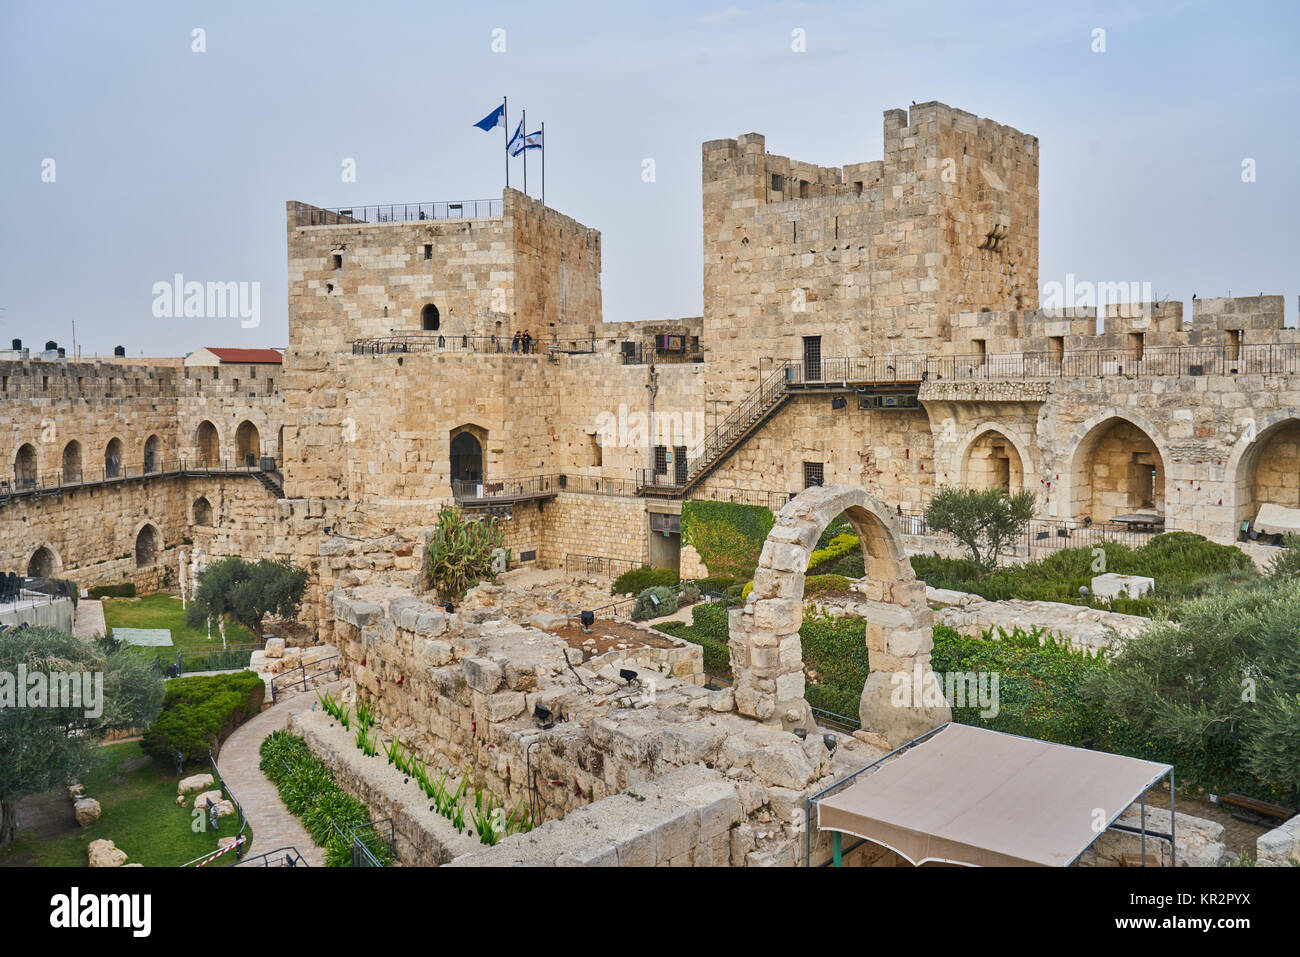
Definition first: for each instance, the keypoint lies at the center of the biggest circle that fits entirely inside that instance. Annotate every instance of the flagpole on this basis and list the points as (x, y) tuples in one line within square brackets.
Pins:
[(523, 118), (505, 116), (543, 162)]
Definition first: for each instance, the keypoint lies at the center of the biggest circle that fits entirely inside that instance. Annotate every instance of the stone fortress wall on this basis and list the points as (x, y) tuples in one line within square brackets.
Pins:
[(928, 252), (95, 484)]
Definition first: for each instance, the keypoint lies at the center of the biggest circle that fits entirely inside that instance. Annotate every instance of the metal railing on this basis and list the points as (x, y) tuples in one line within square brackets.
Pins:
[(399, 213), (280, 857), (741, 496), (599, 565), (30, 481), (23, 591), (1042, 535), (1259, 359), (740, 420), (512, 489), (233, 658), (415, 343), (239, 809), (300, 676)]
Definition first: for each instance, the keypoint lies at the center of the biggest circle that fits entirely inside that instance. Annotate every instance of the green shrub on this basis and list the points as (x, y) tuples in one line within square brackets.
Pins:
[(835, 549), (824, 584), (710, 620), (124, 590), (1286, 563), (201, 711), (654, 602), (717, 656), (638, 580), (688, 594), (728, 537), (310, 793), (834, 659), (1040, 682), (1217, 694), (1184, 566)]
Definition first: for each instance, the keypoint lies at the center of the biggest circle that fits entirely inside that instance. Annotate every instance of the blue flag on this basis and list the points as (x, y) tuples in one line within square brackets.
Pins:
[(494, 119)]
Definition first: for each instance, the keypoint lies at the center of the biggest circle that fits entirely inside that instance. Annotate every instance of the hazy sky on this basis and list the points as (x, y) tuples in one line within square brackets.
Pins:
[(170, 161)]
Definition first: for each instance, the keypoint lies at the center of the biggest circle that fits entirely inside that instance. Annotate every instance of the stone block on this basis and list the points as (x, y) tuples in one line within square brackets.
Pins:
[(483, 674)]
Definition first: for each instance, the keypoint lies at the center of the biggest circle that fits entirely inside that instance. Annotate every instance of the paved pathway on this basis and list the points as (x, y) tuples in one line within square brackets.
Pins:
[(273, 826)]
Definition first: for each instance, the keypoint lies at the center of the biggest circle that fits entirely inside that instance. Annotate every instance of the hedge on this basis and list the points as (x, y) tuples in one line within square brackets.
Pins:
[(124, 590), (1040, 682), (200, 711), (639, 579), (727, 536)]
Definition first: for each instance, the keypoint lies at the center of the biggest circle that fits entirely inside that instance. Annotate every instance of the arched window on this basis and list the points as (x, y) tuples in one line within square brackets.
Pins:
[(202, 511), (146, 547), (72, 461), (25, 466), (208, 444), (430, 318), (43, 564), (248, 443), (113, 459), (152, 454)]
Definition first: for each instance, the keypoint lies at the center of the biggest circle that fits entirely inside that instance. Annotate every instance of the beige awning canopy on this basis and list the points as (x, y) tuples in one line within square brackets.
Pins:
[(968, 795)]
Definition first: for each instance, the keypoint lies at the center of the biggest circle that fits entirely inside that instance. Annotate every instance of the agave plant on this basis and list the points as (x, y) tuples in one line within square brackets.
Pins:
[(461, 553)]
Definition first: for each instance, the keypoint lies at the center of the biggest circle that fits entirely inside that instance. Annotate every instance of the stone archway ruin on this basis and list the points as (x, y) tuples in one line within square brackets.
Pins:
[(766, 656)]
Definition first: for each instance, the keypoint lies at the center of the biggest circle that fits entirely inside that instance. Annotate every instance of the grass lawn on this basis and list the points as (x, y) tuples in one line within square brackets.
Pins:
[(140, 816), (164, 611)]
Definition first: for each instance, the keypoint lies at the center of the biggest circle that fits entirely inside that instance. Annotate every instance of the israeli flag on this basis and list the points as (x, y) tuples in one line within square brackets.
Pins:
[(494, 119), (519, 142)]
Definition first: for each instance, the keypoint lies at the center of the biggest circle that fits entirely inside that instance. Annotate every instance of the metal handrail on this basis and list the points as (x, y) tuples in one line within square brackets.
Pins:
[(399, 212), (29, 481), (277, 685), (243, 821), (739, 420), (290, 856), (421, 342)]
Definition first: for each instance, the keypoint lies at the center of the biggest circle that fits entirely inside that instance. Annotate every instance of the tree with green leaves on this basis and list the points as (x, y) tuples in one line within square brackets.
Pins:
[(463, 552), (1217, 693), (986, 521), (247, 592), (46, 741)]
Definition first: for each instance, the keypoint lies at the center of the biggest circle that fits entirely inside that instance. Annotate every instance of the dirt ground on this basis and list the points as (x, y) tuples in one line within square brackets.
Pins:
[(609, 635)]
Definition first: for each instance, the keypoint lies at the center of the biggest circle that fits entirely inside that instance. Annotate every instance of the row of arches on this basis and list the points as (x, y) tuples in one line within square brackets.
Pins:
[(248, 444), (1119, 465), (45, 561), (73, 466)]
